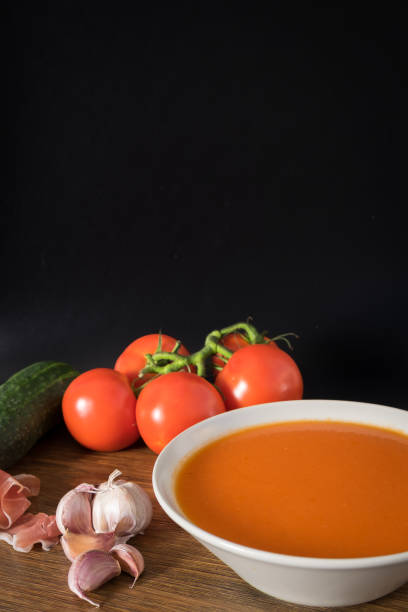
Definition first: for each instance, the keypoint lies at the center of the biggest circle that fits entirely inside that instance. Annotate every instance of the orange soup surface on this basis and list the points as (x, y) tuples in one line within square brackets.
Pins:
[(309, 488)]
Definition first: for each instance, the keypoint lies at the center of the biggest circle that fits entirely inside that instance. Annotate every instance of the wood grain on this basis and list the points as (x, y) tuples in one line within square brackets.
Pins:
[(180, 575)]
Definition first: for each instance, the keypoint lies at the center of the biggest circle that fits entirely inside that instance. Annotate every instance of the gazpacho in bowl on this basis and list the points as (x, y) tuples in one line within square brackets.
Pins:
[(305, 500)]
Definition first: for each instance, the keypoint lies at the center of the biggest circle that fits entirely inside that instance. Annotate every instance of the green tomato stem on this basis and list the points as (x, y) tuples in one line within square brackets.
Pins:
[(250, 332), (162, 362), (212, 343), (284, 337)]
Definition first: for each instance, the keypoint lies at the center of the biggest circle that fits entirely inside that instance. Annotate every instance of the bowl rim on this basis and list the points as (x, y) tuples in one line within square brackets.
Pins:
[(326, 563)]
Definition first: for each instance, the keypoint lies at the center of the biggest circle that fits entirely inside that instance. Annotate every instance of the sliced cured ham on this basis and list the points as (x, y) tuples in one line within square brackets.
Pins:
[(30, 529), (14, 491), (30, 482)]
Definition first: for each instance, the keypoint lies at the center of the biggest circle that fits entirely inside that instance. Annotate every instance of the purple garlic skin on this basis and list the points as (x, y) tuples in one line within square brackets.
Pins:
[(74, 511), (130, 559), (90, 570)]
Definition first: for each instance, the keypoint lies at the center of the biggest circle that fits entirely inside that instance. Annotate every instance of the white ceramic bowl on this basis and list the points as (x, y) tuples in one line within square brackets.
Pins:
[(301, 580)]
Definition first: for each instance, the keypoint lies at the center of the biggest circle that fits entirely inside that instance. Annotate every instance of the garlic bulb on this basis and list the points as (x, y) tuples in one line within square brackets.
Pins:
[(90, 570), (95, 523), (122, 507)]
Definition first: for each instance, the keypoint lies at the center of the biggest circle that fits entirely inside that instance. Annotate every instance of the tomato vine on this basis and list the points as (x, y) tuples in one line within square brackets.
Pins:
[(163, 362)]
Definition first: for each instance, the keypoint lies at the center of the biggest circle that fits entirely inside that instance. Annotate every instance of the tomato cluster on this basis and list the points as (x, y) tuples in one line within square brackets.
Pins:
[(157, 389)]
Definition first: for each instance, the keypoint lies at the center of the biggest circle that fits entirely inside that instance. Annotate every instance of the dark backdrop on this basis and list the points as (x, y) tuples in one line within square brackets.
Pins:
[(185, 167)]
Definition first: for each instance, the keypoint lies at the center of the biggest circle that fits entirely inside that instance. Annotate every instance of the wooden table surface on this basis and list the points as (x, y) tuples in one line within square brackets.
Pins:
[(180, 574)]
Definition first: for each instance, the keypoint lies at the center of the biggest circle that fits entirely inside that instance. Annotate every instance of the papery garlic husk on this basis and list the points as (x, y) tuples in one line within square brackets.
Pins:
[(130, 559), (74, 510), (121, 506), (90, 570), (74, 544)]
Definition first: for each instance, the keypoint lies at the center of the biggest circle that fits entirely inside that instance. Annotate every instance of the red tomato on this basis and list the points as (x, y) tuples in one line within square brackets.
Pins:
[(257, 374), (171, 403), (99, 410), (233, 342), (132, 360)]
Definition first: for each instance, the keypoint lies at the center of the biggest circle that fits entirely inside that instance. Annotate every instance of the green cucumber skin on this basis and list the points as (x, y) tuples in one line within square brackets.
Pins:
[(30, 405)]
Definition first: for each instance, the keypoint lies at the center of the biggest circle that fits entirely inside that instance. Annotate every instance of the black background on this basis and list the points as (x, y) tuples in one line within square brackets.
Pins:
[(182, 166)]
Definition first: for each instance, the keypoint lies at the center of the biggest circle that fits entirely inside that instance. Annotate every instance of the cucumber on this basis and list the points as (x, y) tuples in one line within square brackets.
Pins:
[(30, 405)]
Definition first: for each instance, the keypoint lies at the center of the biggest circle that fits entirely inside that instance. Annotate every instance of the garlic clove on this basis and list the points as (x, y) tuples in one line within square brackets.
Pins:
[(74, 544), (74, 511), (144, 506), (90, 570), (121, 506), (130, 560)]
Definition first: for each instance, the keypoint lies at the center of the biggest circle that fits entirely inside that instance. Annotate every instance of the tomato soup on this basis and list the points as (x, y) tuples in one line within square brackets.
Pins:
[(309, 488)]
